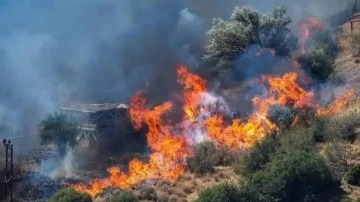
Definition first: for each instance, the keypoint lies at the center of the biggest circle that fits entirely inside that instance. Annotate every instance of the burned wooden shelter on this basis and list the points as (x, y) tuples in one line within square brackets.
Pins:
[(100, 121)]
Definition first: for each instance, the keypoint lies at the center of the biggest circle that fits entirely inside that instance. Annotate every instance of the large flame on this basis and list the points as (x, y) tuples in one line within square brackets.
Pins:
[(170, 143), (284, 91), (307, 28), (166, 160), (194, 87), (337, 105)]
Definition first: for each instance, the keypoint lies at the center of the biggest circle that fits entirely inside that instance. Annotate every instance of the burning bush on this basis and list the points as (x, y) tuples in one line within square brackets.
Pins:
[(170, 142), (318, 61), (353, 176), (123, 196), (70, 195), (222, 192), (282, 116)]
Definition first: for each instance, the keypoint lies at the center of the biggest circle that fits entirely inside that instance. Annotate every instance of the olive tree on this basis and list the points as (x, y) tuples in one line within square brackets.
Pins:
[(319, 61), (59, 129), (227, 40)]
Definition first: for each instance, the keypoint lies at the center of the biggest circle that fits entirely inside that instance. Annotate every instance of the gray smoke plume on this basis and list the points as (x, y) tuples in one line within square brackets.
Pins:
[(58, 52)]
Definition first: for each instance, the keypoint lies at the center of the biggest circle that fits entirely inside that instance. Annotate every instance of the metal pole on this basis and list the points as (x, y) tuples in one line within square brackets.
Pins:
[(11, 173), (6, 168), (9, 167)]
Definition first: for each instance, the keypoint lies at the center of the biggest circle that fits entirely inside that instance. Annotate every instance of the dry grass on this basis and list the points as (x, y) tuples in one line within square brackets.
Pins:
[(351, 151), (187, 187), (352, 158), (347, 64)]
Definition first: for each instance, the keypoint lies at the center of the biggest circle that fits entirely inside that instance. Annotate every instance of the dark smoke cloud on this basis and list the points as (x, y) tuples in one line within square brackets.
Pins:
[(59, 52)]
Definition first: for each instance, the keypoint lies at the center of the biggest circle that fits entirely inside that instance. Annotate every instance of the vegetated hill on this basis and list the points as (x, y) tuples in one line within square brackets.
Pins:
[(189, 185), (347, 67), (348, 63), (347, 151)]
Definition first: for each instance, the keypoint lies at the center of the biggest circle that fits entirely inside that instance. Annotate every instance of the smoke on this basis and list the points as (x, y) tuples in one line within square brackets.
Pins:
[(321, 9), (59, 52), (67, 167)]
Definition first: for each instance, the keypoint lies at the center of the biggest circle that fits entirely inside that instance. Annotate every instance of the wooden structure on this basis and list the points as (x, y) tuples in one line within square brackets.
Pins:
[(348, 18), (97, 120)]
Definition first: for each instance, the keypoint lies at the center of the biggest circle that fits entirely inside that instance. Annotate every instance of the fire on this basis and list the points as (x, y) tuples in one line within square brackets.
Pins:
[(170, 144), (308, 27), (337, 105), (284, 91), (167, 160), (194, 87), (238, 134)]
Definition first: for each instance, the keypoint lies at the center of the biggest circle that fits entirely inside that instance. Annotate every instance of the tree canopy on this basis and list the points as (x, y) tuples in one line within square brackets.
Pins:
[(59, 129), (227, 40)]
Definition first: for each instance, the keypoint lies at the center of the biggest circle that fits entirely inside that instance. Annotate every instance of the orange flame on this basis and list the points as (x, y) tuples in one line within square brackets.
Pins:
[(284, 91), (166, 160), (169, 143), (194, 87), (337, 105), (308, 27), (237, 135)]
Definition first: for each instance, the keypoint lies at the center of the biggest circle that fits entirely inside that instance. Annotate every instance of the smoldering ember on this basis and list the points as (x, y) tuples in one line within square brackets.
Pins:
[(188, 100)]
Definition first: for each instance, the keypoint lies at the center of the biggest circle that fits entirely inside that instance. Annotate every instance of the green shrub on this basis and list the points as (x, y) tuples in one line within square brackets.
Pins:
[(353, 175), (334, 154), (319, 128), (148, 193), (286, 167), (204, 159), (347, 199), (296, 176), (345, 127), (123, 196), (318, 61), (259, 155), (226, 157), (324, 37), (296, 139), (70, 195), (222, 192)]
